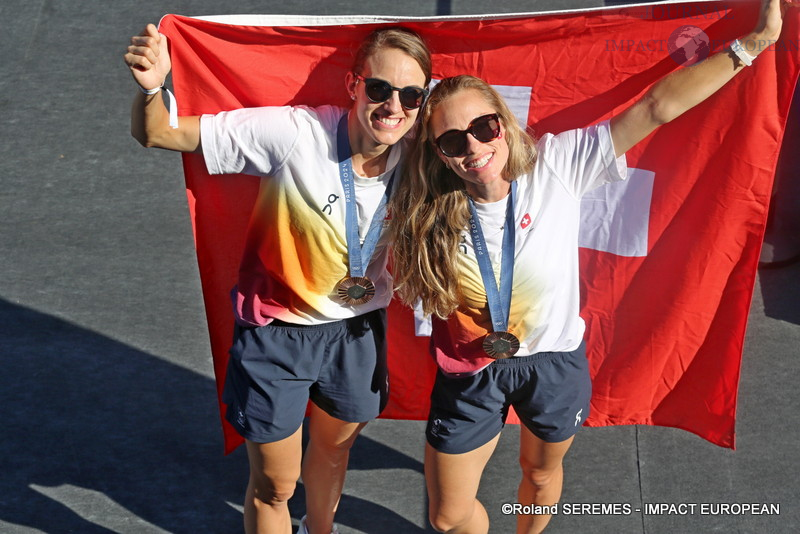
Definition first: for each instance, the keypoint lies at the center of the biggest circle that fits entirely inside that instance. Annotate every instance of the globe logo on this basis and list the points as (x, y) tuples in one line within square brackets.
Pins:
[(688, 45)]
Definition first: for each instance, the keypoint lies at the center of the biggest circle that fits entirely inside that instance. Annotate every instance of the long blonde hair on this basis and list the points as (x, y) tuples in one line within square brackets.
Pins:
[(429, 207)]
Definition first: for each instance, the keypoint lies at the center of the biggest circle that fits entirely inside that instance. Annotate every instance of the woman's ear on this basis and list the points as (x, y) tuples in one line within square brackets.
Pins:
[(442, 157), (350, 82)]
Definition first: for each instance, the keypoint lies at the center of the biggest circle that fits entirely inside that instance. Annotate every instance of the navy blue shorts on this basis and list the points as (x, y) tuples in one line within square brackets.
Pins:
[(275, 369), (550, 391)]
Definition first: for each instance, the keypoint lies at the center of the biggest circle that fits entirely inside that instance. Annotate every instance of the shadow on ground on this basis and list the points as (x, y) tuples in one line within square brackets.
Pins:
[(101, 437), (781, 292)]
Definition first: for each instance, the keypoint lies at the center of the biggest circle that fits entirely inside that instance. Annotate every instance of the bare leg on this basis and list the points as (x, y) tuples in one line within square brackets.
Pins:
[(274, 470), (453, 481), (542, 477), (325, 467)]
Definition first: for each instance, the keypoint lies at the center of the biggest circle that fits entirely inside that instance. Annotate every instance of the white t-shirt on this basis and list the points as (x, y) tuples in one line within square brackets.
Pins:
[(545, 295), (296, 248)]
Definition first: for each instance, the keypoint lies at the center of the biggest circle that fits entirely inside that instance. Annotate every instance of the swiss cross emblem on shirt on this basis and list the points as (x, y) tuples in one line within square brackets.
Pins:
[(526, 221)]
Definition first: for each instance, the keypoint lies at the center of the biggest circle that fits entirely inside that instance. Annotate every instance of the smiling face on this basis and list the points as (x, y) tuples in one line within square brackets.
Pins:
[(482, 165), (377, 125)]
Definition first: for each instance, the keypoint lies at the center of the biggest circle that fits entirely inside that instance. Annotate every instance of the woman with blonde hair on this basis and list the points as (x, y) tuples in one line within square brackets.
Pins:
[(313, 286), (488, 243)]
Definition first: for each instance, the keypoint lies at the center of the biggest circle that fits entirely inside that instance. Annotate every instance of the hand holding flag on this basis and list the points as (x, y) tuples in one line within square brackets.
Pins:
[(151, 123), (680, 91), (148, 58), (770, 20)]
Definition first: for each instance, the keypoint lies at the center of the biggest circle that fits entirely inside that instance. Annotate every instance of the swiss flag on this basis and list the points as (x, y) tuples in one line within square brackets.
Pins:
[(668, 258)]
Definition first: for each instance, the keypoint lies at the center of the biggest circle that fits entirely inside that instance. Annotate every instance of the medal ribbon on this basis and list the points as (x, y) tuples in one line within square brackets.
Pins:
[(499, 300), (358, 255)]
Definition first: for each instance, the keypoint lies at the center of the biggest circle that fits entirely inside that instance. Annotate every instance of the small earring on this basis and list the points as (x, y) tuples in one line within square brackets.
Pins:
[(447, 165), (352, 97)]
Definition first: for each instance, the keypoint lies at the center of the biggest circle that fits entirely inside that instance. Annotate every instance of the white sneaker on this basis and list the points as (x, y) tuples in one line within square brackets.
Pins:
[(304, 530)]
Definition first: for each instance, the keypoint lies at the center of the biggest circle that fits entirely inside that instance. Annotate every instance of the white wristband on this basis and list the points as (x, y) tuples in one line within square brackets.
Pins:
[(738, 49), (173, 103), (149, 91), (173, 109)]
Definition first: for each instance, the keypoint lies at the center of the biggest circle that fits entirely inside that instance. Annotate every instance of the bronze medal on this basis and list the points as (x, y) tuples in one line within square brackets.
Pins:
[(354, 290), (500, 345)]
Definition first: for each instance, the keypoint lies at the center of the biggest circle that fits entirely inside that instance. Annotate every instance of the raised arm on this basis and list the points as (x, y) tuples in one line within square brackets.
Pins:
[(687, 87), (149, 63)]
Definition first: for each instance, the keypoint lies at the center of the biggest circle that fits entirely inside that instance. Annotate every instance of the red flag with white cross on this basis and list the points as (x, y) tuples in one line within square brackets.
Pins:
[(668, 258)]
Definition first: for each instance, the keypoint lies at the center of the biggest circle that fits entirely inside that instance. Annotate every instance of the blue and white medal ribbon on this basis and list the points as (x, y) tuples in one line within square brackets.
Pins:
[(357, 288), (500, 343)]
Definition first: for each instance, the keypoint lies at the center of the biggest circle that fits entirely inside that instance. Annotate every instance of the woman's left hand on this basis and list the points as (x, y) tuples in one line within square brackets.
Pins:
[(770, 21)]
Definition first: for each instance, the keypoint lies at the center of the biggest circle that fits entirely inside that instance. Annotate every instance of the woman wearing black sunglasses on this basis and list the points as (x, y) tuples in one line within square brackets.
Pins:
[(313, 286), (488, 243)]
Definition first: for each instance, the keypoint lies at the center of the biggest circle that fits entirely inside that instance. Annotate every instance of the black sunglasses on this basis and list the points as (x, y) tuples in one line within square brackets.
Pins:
[(378, 91), (453, 143)]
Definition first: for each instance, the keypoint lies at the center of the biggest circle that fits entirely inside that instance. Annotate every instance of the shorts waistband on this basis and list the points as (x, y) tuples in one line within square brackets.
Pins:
[(537, 357), (277, 323), (523, 360)]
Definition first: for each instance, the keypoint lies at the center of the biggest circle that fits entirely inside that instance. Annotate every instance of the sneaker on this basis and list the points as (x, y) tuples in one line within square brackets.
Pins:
[(303, 530)]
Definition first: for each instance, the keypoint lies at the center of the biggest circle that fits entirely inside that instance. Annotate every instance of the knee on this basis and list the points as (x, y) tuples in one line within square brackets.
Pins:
[(272, 492), (446, 521), (541, 478), (442, 523)]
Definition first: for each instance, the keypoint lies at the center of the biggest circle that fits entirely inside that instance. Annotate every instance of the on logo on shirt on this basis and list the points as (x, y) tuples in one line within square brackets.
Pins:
[(328, 208)]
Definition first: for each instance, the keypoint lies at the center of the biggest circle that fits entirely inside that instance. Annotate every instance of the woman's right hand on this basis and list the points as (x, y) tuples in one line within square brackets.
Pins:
[(148, 58)]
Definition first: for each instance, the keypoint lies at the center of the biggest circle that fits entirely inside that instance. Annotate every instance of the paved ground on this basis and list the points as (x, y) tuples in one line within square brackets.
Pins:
[(109, 414)]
